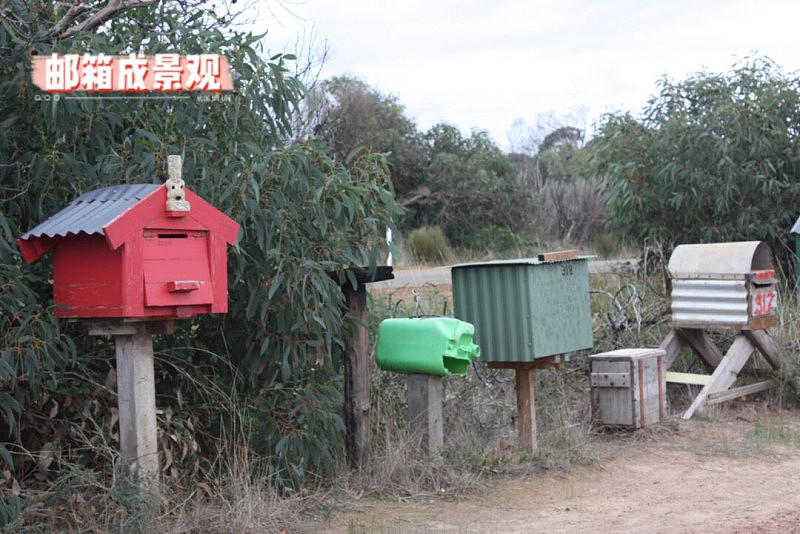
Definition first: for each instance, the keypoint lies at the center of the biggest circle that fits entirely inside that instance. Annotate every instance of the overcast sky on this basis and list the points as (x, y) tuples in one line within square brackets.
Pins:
[(485, 63)]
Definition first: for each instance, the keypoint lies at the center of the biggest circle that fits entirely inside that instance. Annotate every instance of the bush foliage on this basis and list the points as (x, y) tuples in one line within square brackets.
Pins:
[(712, 158), (428, 244)]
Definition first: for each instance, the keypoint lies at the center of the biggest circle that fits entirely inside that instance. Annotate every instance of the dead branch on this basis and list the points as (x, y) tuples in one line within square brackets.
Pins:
[(65, 27)]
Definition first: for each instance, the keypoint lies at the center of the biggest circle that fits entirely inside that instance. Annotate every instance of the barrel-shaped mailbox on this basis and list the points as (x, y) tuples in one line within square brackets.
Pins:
[(527, 308), (727, 285), (432, 345)]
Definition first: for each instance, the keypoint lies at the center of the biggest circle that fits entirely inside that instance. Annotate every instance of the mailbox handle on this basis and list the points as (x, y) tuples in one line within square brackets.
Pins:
[(176, 286)]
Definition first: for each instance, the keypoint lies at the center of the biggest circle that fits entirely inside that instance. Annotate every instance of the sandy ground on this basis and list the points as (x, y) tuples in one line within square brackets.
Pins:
[(734, 471)]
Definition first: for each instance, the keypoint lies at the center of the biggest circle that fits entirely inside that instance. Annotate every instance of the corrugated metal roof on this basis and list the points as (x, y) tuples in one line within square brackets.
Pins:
[(90, 212), (720, 258), (520, 261)]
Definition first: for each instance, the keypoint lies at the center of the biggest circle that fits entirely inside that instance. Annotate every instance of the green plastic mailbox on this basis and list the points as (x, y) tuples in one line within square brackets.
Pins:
[(432, 345)]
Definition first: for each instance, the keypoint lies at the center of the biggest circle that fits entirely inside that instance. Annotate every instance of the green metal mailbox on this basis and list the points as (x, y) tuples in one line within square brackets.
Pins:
[(525, 309), (432, 345)]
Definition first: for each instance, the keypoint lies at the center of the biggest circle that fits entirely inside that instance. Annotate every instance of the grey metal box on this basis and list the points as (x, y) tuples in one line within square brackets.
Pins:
[(525, 309), (628, 387)]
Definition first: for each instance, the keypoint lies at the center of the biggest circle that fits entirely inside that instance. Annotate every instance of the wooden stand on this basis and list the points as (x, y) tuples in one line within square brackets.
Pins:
[(526, 396), (138, 432), (726, 367), (425, 410)]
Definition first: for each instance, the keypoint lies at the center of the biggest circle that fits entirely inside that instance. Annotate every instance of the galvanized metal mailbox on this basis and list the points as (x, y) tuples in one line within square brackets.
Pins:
[(136, 251), (525, 309), (628, 387), (727, 285)]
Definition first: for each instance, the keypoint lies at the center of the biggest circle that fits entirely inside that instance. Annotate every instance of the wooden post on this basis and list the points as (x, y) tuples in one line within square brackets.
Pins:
[(526, 398), (356, 378), (425, 410), (526, 409), (671, 346), (698, 340), (725, 374), (702, 344), (136, 397), (356, 364), (766, 345), (137, 403)]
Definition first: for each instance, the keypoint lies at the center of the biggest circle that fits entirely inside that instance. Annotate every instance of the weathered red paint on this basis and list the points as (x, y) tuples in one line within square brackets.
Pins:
[(148, 264)]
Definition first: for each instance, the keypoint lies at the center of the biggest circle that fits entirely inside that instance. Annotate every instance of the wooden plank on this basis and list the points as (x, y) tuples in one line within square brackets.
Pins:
[(687, 378), (526, 410), (741, 391), (672, 346), (425, 410), (125, 327), (558, 255), (702, 344), (762, 323), (725, 374), (112, 329), (356, 379), (610, 380), (766, 345), (137, 404)]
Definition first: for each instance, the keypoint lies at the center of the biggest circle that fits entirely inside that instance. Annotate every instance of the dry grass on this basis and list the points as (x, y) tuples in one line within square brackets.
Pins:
[(398, 468), (243, 501)]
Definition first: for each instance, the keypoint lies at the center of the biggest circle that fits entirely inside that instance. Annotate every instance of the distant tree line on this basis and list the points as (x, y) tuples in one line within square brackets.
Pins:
[(463, 182), (714, 157)]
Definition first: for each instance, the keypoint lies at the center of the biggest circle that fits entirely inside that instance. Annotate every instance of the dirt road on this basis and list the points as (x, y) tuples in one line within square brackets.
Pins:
[(737, 474)]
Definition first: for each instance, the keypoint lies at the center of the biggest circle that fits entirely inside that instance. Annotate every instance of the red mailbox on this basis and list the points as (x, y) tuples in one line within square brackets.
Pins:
[(129, 251)]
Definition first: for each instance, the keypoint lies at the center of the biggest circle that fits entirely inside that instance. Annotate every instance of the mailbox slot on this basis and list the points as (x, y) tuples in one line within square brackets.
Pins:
[(176, 268)]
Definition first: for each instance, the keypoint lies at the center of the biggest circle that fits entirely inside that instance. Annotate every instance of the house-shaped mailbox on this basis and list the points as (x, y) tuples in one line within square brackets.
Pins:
[(119, 253)]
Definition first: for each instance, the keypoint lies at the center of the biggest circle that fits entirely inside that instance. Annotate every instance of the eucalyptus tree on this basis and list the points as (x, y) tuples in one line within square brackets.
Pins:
[(305, 219), (714, 157)]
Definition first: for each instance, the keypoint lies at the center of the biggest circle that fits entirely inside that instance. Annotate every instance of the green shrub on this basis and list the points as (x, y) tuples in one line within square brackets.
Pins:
[(497, 238), (606, 244), (428, 244)]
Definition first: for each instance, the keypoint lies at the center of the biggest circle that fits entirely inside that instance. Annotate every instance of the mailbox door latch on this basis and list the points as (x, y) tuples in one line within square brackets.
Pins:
[(176, 286)]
